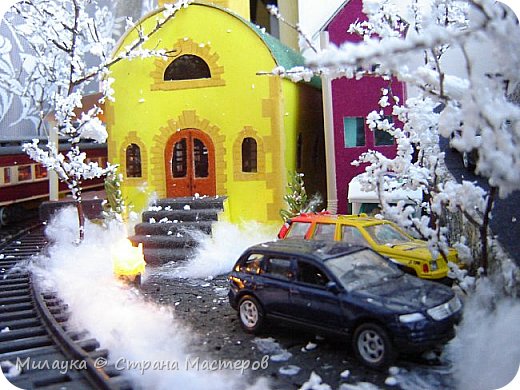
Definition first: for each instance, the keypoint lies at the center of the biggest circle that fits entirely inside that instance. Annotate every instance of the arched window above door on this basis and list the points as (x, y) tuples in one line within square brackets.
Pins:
[(190, 65), (187, 67)]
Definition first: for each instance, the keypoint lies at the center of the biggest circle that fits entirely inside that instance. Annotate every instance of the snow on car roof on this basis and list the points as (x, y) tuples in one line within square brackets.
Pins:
[(321, 250)]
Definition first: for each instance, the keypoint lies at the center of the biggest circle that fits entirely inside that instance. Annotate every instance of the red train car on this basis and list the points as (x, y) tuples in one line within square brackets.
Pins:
[(23, 182)]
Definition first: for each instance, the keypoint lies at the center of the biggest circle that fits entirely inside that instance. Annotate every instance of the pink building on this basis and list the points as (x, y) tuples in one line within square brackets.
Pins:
[(352, 101)]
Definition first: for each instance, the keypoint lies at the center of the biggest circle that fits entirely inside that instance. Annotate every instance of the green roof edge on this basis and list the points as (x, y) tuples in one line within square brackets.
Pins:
[(282, 54)]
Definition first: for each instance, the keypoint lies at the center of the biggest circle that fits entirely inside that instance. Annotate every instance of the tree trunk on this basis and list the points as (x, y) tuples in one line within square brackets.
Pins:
[(81, 219), (484, 260)]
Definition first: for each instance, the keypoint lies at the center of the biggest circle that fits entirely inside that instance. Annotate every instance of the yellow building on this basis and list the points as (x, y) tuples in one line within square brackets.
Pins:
[(202, 121)]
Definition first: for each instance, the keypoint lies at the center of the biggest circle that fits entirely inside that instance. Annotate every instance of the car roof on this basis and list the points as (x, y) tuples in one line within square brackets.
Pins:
[(357, 219), (319, 250)]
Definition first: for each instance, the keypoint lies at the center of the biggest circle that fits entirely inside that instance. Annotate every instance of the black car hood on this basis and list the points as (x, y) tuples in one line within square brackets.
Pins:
[(405, 294)]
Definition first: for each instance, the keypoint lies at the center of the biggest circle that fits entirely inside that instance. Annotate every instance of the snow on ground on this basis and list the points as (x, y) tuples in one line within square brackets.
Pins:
[(483, 338), (420, 377), (273, 349), (9, 369), (217, 254), (137, 333), (486, 352), (315, 383), (359, 386), (289, 370), (484, 355)]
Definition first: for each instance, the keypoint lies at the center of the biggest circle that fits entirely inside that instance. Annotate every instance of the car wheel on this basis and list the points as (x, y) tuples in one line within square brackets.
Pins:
[(4, 216), (250, 314), (372, 346)]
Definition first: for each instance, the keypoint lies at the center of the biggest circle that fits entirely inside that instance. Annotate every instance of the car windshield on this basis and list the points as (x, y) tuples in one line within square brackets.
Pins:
[(386, 234), (298, 230), (362, 269)]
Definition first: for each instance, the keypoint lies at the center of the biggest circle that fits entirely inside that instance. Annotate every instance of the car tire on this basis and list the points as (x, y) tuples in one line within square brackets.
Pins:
[(4, 216), (250, 314), (372, 346)]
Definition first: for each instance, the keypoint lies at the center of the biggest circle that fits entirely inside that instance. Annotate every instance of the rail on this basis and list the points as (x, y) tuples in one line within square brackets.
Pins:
[(35, 340)]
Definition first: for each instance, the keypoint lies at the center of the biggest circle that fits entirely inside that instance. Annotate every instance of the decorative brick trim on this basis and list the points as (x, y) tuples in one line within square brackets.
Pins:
[(182, 47), (133, 138), (271, 108), (112, 151), (238, 175)]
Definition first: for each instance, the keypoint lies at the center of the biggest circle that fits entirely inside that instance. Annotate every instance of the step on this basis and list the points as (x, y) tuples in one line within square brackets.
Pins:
[(145, 228), (160, 256), (181, 215), (162, 241), (210, 202)]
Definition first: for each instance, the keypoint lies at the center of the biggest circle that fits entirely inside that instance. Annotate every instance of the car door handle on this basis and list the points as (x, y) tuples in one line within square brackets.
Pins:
[(294, 291)]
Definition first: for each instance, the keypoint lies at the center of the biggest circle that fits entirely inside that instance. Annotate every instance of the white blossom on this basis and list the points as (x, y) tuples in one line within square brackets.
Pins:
[(474, 109)]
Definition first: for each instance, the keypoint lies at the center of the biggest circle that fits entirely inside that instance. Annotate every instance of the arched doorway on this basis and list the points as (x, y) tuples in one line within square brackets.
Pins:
[(190, 164)]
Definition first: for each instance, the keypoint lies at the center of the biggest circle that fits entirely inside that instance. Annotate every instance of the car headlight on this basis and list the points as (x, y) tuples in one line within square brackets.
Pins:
[(446, 309), (412, 317)]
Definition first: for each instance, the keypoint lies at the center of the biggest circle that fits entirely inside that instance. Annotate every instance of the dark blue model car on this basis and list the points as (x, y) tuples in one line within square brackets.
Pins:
[(348, 290)]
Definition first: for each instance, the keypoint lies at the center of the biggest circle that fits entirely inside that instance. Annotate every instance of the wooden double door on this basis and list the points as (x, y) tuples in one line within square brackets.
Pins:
[(190, 164)]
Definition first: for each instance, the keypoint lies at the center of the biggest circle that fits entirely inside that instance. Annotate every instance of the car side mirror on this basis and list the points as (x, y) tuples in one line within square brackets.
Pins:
[(333, 287)]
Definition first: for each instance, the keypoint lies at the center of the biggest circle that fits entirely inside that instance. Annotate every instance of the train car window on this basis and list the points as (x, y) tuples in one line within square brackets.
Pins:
[(24, 173), (40, 172), (101, 161), (7, 175)]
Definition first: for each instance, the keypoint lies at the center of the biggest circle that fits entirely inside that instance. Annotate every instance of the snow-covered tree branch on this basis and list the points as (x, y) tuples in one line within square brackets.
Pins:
[(413, 41), (71, 44)]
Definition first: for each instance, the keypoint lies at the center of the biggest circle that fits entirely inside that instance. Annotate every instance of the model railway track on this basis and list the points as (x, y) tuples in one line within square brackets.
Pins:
[(10, 232), (37, 348)]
